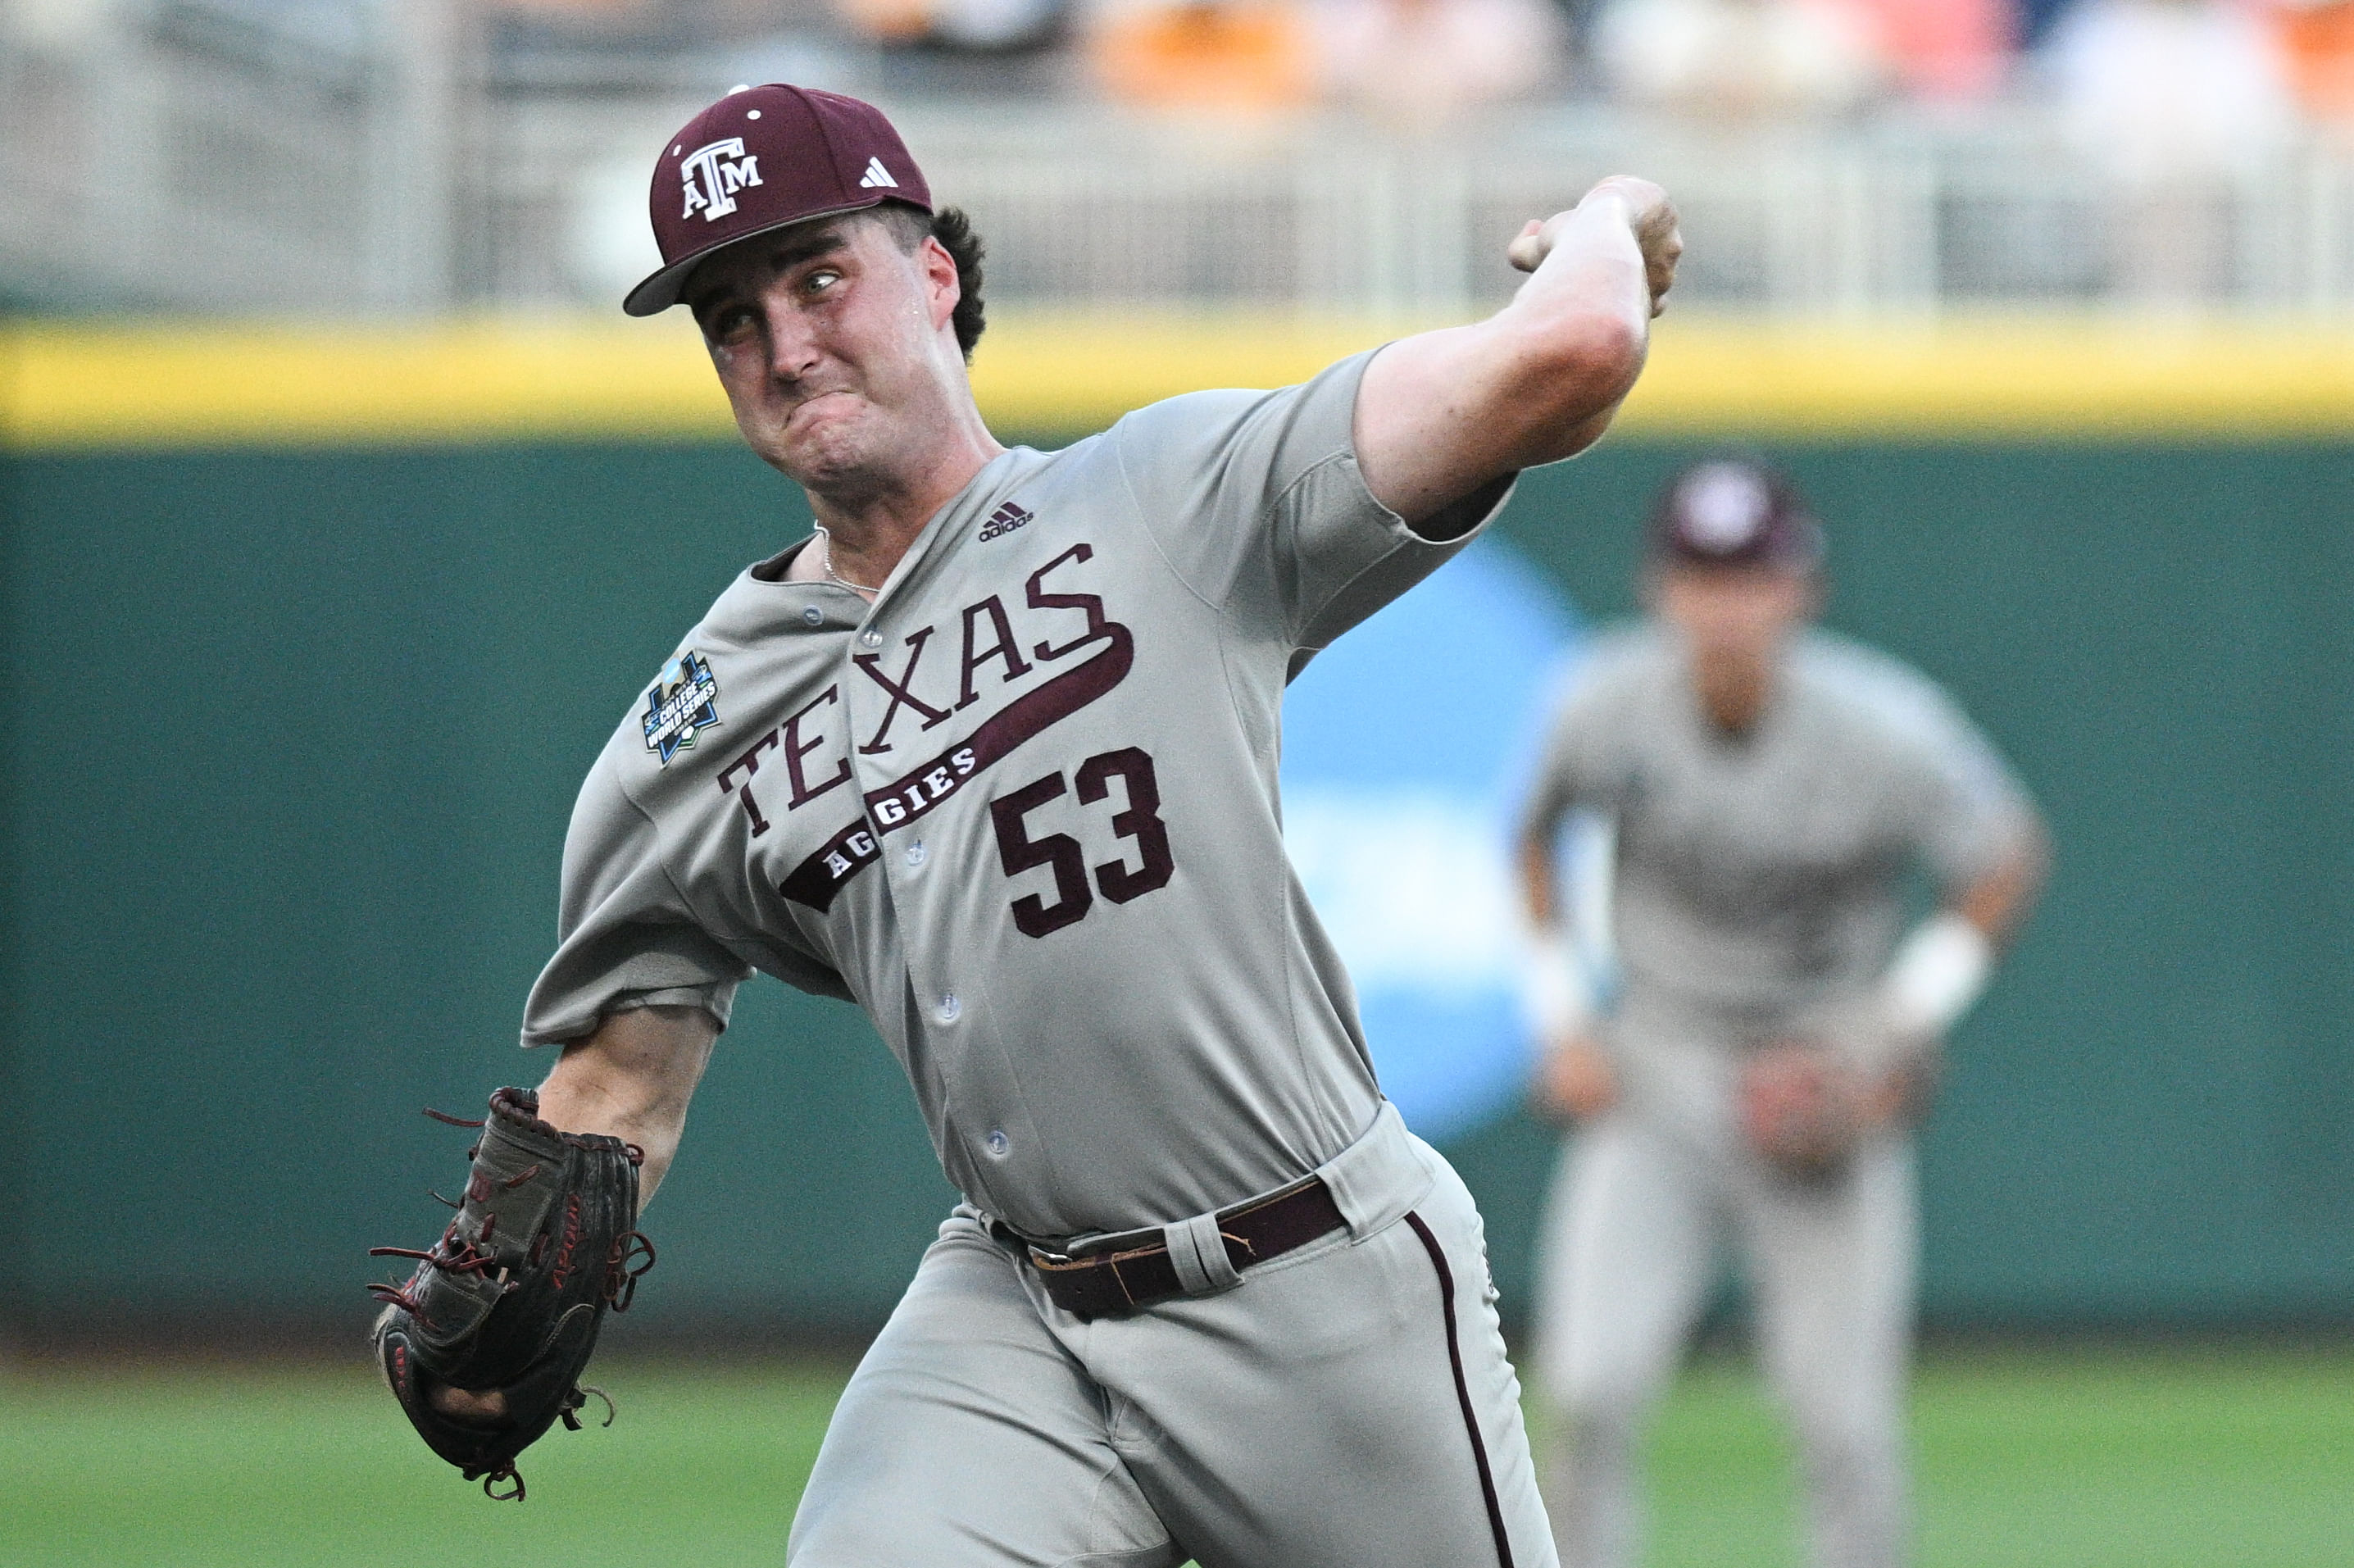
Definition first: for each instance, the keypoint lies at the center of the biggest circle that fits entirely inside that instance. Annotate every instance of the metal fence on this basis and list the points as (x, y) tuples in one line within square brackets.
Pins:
[(195, 154), (189, 157), (1890, 217)]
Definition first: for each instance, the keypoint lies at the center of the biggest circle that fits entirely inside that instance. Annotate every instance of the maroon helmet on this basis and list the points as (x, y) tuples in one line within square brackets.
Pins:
[(1734, 511), (763, 157)]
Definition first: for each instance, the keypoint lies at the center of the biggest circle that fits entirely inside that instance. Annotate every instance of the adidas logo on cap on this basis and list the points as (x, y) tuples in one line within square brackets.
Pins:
[(876, 176)]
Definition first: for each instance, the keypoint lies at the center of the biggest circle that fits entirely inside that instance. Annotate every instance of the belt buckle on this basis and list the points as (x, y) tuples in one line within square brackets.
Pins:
[(1098, 1248)]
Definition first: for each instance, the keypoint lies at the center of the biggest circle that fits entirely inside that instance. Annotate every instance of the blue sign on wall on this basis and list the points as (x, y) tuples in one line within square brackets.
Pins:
[(1406, 748)]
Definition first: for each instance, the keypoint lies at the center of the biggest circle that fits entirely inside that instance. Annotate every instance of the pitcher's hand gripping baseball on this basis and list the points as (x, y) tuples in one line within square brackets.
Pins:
[(486, 1343), (1650, 215)]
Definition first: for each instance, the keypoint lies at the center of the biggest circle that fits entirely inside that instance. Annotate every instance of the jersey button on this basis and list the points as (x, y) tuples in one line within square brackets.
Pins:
[(870, 638), (951, 1008), (998, 1143), (812, 614), (916, 854)]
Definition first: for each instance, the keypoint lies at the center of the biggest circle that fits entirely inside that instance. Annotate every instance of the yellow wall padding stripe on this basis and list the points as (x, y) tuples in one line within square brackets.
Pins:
[(160, 384), (170, 385), (2002, 379)]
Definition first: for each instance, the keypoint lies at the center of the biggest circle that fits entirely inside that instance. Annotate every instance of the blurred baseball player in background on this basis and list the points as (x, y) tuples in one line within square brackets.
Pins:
[(992, 754), (1773, 1042)]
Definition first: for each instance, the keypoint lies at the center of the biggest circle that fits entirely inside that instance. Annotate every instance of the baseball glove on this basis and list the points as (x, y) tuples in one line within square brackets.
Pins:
[(509, 1300), (1803, 1108)]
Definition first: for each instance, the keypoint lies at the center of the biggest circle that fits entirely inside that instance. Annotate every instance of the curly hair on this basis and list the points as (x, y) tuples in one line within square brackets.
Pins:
[(954, 230)]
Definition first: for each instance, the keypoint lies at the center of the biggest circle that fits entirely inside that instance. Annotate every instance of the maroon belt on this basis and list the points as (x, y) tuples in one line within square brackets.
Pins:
[(1128, 1278)]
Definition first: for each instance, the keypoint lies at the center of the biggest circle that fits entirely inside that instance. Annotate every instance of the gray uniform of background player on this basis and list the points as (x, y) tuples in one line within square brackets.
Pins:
[(1132, 1022), (1756, 894)]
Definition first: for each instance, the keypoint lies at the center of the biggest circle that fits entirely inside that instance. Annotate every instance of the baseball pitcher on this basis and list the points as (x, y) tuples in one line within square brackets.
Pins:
[(1772, 1040), (992, 754)]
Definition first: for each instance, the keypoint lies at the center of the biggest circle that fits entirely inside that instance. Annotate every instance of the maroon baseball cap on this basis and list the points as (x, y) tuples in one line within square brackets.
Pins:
[(1734, 511), (763, 157)]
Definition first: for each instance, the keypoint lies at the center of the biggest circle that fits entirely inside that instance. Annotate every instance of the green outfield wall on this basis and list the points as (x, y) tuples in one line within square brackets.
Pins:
[(297, 732)]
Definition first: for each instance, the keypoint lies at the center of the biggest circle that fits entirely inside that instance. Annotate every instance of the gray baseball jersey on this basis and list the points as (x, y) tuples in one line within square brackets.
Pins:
[(1022, 810), (1759, 876)]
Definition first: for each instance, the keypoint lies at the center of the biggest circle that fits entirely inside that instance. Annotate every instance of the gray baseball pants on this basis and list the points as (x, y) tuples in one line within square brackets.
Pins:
[(1642, 1202), (1347, 1405)]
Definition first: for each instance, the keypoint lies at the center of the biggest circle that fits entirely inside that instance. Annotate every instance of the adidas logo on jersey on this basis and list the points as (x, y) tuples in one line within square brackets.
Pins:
[(1004, 520), (877, 177)]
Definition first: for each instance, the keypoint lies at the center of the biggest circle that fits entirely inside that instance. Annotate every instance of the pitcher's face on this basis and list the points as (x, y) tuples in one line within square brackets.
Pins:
[(828, 337)]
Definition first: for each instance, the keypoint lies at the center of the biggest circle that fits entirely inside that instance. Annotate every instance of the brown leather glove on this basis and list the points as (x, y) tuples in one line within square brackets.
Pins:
[(509, 1300), (1804, 1109)]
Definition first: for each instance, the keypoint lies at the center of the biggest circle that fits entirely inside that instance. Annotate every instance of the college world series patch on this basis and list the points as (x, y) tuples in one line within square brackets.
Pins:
[(684, 702)]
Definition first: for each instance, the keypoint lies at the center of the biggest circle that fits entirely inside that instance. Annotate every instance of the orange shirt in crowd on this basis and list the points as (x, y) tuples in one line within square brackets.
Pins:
[(1197, 53), (2318, 50)]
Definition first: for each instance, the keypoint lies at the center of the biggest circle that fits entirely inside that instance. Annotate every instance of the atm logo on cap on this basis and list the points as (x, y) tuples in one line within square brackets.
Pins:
[(712, 175)]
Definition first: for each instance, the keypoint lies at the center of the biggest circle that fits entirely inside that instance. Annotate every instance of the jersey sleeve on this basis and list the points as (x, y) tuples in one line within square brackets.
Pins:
[(1962, 806), (626, 937), (1255, 501), (1581, 764)]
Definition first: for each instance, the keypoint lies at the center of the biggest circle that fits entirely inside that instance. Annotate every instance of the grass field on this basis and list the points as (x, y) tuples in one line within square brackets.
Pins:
[(2101, 1459)]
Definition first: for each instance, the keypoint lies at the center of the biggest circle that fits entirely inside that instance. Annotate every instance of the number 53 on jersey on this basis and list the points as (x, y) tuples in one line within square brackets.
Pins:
[(1136, 820)]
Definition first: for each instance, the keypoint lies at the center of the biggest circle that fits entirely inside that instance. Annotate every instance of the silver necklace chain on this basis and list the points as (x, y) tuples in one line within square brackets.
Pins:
[(827, 564)]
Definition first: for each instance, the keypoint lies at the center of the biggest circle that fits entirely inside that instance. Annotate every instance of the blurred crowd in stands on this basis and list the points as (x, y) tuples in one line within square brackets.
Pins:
[(2160, 81), (1857, 155)]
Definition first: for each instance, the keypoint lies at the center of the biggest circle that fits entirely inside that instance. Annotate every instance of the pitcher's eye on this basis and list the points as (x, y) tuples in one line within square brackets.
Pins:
[(727, 322)]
